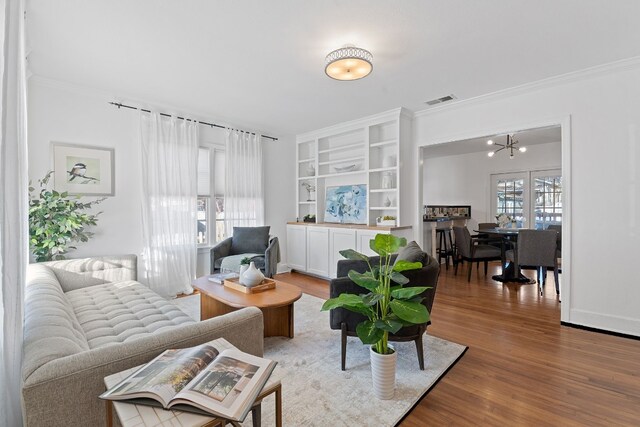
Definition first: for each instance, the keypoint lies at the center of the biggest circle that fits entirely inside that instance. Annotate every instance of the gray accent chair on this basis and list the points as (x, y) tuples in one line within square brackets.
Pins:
[(346, 321), (85, 319), (249, 240), (473, 249), (537, 250)]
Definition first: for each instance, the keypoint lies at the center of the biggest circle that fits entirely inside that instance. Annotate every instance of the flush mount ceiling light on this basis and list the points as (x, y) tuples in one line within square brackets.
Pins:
[(509, 146), (349, 63)]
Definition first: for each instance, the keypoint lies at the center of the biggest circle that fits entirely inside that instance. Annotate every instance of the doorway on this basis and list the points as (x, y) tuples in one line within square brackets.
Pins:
[(537, 192)]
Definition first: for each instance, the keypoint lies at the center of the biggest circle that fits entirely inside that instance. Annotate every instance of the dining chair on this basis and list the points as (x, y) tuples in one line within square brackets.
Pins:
[(558, 229), (537, 249), (473, 249)]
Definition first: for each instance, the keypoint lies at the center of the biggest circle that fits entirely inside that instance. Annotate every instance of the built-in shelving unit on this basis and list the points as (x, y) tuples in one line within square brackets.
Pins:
[(365, 151)]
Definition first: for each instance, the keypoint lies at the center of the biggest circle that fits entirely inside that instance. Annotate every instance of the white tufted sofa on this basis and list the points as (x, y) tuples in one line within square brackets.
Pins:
[(88, 318)]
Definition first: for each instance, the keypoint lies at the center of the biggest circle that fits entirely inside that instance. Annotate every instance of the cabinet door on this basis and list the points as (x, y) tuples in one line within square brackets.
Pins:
[(363, 237), (318, 251), (339, 239), (297, 247)]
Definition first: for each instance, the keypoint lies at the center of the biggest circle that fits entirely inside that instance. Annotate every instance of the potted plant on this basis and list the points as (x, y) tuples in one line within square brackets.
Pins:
[(56, 221), (309, 218), (387, 305), (387, 220)]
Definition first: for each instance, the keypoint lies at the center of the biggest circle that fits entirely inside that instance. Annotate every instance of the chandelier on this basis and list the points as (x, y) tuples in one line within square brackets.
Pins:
[(348, 63), (510, 146)]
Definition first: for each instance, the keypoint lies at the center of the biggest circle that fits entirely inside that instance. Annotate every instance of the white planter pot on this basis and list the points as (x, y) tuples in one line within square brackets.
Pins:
[(252, 277), (383, 373)]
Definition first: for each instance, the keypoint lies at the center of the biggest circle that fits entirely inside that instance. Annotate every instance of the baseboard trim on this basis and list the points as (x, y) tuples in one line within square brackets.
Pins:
[(604, 322), (600, 331)]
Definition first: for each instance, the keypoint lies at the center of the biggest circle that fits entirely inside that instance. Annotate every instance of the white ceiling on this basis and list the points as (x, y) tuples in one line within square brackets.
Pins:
[(260, 63), (525, 138)]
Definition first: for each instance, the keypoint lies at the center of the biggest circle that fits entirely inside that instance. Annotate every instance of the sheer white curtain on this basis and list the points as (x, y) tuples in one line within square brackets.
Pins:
[(244, 191), (13, 207), (169, 191)]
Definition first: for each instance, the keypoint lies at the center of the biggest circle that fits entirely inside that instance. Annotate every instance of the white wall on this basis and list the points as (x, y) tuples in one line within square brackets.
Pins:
[(604, 157), (464, 179), (280, 187), (62, 113)]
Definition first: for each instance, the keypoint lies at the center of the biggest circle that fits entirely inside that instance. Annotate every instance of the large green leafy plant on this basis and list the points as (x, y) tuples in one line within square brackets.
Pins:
[(56, 221), (388, 305)]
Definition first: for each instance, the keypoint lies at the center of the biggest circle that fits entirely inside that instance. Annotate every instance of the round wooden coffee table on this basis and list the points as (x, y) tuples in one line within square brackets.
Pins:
[(276, 304)]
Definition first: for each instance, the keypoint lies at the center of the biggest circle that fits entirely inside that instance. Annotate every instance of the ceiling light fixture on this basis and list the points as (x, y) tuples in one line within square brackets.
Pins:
[(349, 63), (510, 146)]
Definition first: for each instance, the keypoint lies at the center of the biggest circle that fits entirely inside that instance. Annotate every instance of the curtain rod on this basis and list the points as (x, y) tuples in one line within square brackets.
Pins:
[(119, 105)]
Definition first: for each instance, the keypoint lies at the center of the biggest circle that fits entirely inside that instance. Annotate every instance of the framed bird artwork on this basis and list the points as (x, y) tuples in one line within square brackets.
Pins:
[(83, 169)]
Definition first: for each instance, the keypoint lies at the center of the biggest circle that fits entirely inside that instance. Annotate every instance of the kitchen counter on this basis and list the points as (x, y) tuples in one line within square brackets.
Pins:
[(354, 226)]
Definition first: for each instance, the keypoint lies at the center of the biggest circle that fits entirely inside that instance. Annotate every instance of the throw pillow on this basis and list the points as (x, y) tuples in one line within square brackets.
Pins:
[(250, 240), (411, 253)]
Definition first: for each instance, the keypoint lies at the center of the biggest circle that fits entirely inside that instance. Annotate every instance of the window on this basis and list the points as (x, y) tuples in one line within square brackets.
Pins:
[(210, 210), (533, 195), (548, 198)]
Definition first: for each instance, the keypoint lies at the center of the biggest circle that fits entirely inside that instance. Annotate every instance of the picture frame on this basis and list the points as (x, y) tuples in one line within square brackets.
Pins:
[(83, 169), (346, 204)]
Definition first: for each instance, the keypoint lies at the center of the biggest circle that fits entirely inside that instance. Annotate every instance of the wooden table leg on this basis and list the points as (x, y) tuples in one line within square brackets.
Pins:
[(109, 408), (279, 406)]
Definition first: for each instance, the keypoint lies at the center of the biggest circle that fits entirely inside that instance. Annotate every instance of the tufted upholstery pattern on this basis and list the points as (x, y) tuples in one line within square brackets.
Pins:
[(117, 312), (51, 330)]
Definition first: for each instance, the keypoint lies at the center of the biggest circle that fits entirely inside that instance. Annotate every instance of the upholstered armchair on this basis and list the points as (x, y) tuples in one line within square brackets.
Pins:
[(346, 320), (247, 242)]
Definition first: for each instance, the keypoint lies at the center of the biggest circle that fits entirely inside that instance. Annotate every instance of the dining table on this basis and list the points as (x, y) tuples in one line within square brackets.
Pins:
[(511, 271)]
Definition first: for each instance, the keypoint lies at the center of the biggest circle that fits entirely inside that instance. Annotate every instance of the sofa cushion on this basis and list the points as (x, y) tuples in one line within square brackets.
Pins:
[(80, 273), (250, 240), (118, 312), (51, 330), (411, 253)]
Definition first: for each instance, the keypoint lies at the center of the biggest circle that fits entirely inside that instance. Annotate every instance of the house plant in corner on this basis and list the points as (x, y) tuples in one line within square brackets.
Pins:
[(388, 306), (56, 221)]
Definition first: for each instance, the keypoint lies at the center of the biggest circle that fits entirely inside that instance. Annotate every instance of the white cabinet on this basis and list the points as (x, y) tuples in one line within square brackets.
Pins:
[(339, 240), (297, 247), (315, 249), (318, 251)]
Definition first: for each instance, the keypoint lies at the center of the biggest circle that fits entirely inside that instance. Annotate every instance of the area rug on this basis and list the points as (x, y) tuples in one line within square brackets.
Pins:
[(314, 389)]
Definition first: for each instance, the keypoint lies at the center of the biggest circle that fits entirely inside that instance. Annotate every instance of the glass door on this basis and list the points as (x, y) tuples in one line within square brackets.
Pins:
[(510, 195), (534, 196), (547, 204)]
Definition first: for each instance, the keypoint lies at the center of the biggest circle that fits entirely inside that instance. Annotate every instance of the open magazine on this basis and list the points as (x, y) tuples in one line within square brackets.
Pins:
[(222, 383)]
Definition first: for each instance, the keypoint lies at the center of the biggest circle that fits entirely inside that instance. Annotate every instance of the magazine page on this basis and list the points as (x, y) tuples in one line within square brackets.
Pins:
[(228, 386), (165, 375)]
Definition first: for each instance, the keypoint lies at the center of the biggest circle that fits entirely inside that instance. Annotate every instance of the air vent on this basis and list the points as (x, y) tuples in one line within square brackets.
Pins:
[(441, 100)]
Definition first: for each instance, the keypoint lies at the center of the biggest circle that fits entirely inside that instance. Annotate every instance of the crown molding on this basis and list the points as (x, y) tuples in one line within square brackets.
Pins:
[(353, 124), (584, 74)]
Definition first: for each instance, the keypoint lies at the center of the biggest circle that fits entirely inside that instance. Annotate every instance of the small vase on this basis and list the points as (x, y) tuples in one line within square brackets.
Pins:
[(243, 268), (311, 170), (383, 373), (387, 202), (389, 161), (252, 277)]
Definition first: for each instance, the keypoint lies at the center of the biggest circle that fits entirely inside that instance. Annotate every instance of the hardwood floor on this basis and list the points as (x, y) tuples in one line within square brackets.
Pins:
[(522, 367)]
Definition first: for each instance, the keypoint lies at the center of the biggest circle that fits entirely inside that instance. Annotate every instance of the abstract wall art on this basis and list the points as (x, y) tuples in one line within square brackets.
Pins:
[(346, 204)]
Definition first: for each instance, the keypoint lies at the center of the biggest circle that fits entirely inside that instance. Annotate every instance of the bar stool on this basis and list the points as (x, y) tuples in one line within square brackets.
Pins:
[(445, 247)]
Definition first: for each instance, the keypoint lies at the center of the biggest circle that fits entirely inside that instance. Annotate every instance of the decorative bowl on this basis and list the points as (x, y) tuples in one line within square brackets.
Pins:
[(348, 168)]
